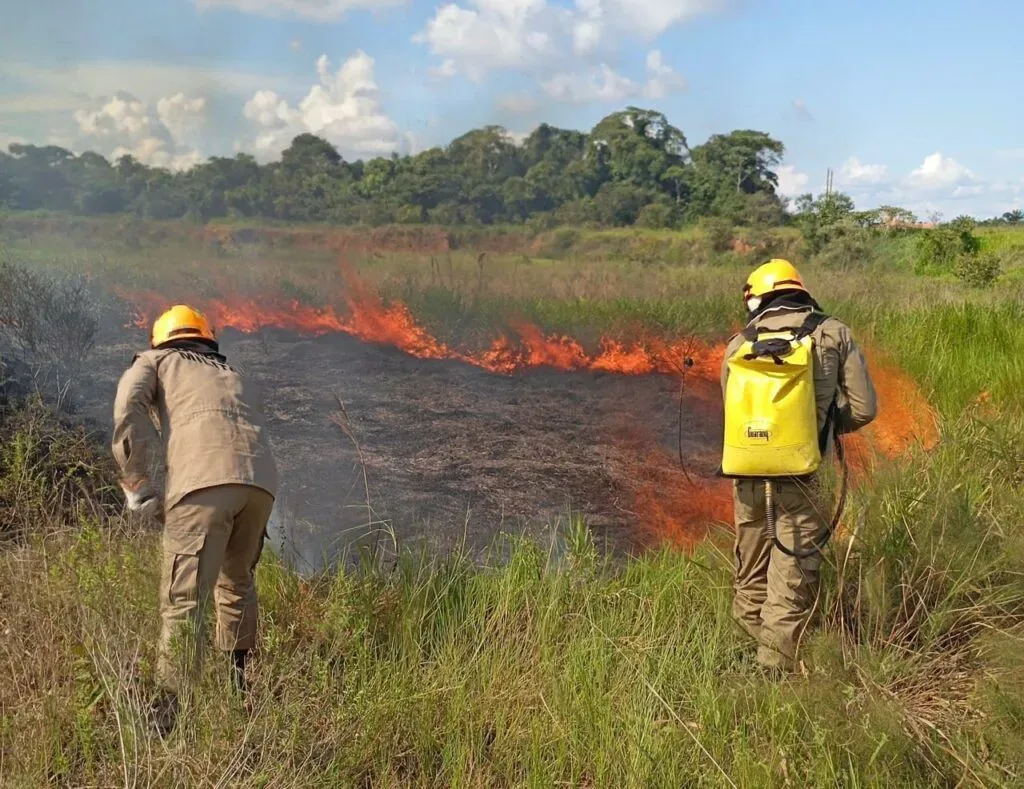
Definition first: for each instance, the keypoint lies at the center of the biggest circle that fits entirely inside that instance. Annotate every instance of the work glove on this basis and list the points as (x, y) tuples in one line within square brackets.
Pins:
[(142, 499)]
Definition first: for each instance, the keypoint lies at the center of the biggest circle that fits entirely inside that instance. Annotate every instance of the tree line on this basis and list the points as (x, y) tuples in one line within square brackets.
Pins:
[(633, 167)]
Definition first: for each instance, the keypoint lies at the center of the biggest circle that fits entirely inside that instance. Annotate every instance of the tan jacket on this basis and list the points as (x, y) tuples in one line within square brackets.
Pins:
[(210, 416), (840, 371)]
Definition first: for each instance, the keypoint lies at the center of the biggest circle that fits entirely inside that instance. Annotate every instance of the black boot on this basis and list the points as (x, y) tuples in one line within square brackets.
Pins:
[(239, 658), (164, 713)]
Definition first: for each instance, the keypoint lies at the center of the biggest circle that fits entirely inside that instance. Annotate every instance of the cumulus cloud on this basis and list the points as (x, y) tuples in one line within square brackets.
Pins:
[(662, 79), (940, 184), (125, 125), (855, 173), (183, 117), (479, 36), (938, 172), (791, 182), (343, 108), (605, 85), (492, 34), (651, 18), (317, 10)]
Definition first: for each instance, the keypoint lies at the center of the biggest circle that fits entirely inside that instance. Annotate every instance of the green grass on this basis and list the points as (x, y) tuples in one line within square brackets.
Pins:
[(549, 665), (554, 668)]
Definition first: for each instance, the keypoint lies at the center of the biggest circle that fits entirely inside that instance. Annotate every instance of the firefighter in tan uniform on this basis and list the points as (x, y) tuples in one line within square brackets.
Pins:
[(775, 592), (221, 481)]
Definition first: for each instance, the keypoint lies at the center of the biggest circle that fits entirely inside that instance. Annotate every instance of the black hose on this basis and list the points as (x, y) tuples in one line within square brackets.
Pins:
[(770, 520)]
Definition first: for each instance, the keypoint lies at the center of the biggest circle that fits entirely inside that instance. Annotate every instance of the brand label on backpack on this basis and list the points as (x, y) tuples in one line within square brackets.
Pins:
[(760, 434)]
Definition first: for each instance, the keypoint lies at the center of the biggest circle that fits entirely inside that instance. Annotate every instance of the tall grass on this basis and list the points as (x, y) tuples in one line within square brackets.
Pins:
[(551, 665), (554, 667)]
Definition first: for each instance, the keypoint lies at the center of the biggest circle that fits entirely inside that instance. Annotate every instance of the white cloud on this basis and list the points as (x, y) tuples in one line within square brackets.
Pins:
[(68, 88), (295, 45), (940, 184), (445, 70), (855, 173), (791, 182), (183, 117), (317, 10), (651, 18), (343, 108), (122, 116), (519, 137), (662, 79), (124, 125), (518, 103), (480, 36), (939, 172), (494, 34), (605, 85), (802, 110)]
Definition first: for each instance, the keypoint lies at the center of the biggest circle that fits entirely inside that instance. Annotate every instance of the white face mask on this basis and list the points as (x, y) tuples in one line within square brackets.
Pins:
[(753, 303)]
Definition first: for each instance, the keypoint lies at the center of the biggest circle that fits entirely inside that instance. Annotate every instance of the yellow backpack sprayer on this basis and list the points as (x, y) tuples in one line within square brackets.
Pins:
[(771, 424)]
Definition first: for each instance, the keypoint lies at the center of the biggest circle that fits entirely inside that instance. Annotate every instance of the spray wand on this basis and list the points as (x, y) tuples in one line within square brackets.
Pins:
[(687, 364), (769, 508)]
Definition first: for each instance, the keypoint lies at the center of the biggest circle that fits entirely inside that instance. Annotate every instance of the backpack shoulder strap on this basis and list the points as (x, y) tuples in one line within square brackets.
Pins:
[(811, 322)]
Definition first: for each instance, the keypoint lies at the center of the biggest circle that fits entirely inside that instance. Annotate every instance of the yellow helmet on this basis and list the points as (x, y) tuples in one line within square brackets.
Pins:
[(180, 323), (777, 274)]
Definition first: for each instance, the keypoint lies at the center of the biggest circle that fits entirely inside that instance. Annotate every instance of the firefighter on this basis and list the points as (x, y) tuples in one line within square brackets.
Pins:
[(774, 591), (219, 489)]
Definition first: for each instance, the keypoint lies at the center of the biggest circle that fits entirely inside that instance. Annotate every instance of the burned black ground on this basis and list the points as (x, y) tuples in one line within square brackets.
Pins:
[(451, 453)]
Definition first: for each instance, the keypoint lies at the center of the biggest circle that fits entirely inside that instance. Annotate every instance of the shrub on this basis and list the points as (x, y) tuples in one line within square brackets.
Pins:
[(979, 271), (940, 250), (851, 249), (719, 233), (49, 321), (53, 472), (656, 216)]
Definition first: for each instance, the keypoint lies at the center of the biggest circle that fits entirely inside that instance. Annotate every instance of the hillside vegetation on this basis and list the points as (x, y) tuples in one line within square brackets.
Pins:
[(550, 665)]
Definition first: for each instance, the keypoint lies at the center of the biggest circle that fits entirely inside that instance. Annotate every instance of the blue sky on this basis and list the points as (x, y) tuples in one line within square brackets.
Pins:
[(908, 103)]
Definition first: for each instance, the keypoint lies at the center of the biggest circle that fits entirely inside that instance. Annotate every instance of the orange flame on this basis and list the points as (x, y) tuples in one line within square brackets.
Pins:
[(372, 321), (666, 504)]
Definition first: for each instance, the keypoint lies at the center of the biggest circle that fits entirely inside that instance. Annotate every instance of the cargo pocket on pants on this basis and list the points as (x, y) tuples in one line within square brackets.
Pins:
[(181, 553)]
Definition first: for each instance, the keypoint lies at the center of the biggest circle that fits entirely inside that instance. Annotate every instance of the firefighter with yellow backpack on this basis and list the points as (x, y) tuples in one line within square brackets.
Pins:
[(793, 381)]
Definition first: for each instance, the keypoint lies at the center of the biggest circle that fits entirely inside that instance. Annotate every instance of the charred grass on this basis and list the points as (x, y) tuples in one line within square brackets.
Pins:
[(550, 665)]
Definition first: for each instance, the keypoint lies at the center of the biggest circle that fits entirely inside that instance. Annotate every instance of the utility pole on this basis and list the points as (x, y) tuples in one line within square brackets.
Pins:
[(828, 182)]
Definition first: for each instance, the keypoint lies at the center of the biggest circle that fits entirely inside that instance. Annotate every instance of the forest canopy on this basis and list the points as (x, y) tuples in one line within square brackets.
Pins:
[(633, 167)]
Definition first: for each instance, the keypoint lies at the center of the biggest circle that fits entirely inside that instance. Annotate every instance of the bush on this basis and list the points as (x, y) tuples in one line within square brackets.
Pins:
[(409, 215), (940, 250), (656, 216), (47, 320), (53, 472), (719, 233), (759, 209), (851, 249), (979, 271)]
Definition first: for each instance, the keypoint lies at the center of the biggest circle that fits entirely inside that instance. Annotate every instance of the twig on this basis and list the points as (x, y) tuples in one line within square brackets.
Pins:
[(341, 419)]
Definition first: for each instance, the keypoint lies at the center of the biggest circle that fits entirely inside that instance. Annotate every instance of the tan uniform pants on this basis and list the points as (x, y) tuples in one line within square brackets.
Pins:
[(212, 541), (775, 594)]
